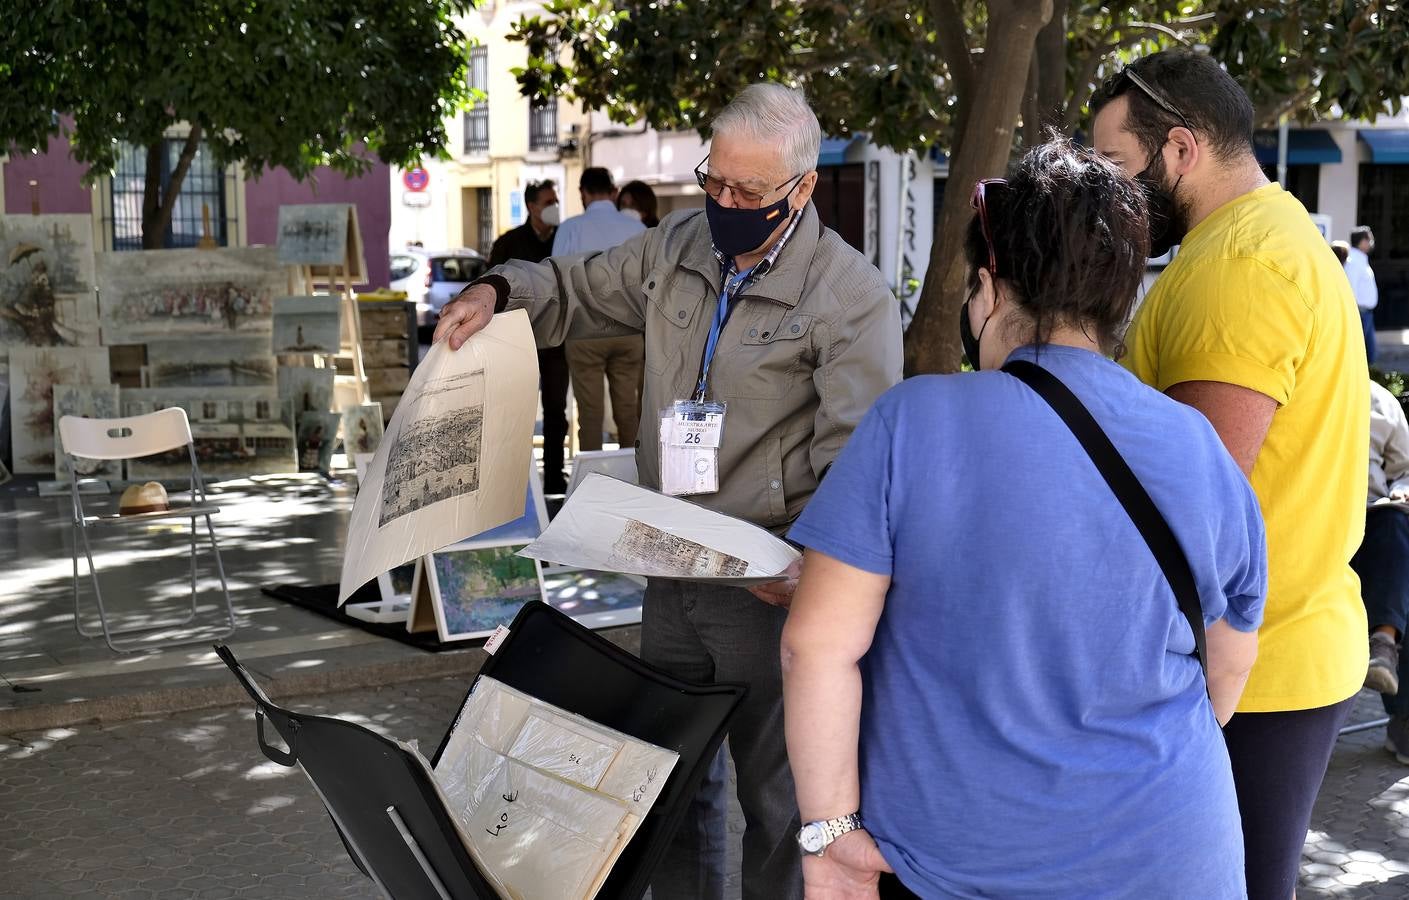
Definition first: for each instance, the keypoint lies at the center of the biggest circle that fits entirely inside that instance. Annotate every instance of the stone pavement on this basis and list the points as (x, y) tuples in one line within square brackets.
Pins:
[(185, 806)]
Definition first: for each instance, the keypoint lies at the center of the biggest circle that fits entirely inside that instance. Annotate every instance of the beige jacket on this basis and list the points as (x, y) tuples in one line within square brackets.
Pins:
[(806, 351)]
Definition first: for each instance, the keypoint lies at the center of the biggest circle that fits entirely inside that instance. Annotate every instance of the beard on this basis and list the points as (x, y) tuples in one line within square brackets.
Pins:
[(1169, 214)]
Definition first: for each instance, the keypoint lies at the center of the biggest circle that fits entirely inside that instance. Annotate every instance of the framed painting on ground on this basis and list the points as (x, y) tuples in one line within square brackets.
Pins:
[(317, 436), (477, 586)]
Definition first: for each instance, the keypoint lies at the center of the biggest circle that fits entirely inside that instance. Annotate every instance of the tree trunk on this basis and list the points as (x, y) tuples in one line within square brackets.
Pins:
[(981, 150), (1050, 57), (157, 209), (151, 197)]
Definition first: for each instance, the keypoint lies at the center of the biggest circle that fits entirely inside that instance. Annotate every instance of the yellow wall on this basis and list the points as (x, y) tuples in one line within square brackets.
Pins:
[(509, 162)]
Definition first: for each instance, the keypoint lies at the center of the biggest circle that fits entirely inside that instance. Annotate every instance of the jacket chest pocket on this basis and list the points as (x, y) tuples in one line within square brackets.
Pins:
[(670, 319), (773, 354)]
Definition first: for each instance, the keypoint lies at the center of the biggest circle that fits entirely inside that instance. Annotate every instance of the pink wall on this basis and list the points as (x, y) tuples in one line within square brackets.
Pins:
[(60, 181), (371, 193), (61, 191)]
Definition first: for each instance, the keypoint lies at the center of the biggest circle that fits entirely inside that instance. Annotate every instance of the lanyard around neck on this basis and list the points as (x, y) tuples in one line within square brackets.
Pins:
[(727, 294)]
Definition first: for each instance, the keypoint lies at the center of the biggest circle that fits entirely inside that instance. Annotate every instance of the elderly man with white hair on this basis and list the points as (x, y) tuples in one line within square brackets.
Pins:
[(750, 307)]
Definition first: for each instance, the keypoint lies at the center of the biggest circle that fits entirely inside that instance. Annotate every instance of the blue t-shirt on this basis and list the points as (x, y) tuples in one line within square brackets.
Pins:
[(1032, 722)]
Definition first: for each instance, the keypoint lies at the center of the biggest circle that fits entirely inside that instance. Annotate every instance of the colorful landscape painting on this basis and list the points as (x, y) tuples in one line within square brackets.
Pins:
[(477, 589)]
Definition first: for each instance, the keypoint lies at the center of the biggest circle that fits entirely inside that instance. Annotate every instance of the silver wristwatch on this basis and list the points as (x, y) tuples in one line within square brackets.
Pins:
[(814, 837)]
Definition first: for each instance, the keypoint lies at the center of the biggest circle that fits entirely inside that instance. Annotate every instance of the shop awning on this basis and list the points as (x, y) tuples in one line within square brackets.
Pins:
[(1305, 147), (834, 150), (1387, 145)]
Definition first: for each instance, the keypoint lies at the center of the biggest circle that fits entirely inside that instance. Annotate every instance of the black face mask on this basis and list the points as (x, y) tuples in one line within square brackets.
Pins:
[(1167, 225), (738, 231), (967, 336)]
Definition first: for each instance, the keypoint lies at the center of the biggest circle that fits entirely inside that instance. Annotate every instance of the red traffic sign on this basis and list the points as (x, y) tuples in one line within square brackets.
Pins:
[(415, 179)]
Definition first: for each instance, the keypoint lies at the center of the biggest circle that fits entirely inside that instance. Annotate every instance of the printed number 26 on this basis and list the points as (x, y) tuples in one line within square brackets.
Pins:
[(692, 437)]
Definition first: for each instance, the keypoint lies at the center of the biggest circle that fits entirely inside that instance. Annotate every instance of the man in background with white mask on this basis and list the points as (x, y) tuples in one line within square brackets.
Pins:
[(750, 308), (533, 242)]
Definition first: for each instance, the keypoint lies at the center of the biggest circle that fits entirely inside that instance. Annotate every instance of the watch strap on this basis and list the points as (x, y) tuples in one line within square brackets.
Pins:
[(835, 828)]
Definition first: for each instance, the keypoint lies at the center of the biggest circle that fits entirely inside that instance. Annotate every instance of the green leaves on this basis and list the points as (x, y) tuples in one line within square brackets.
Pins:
[(876, 66), (1316, 57), (297, 84)]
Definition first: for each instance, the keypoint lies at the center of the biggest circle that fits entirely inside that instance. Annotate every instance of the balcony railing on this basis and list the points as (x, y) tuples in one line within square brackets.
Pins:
[(477, 130), (543, 126)]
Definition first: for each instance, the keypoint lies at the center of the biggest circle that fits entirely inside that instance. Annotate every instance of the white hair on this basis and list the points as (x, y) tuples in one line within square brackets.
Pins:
[(775, 114)]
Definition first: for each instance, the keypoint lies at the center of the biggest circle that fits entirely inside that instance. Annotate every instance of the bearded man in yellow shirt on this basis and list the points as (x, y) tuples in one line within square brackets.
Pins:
[(1254, 325)]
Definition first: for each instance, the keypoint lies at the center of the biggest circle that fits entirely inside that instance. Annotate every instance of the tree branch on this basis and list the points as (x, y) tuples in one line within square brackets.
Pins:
[(954, 47), (1050, 57), (1268, 117)]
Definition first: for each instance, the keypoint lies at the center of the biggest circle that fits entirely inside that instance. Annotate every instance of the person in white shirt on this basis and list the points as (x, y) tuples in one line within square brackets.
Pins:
[(1362, 282), (602, 227), (1382, 562)]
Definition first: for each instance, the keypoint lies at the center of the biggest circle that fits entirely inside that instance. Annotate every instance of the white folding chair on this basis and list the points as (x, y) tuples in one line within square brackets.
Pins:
[(127, 438)]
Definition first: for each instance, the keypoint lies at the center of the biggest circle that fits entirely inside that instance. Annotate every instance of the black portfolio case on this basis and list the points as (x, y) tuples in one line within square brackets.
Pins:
[(392, 820)]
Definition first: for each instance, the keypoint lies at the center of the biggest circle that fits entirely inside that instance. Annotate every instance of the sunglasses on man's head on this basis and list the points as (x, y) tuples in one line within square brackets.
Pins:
[(1155, 97), (979, 201)]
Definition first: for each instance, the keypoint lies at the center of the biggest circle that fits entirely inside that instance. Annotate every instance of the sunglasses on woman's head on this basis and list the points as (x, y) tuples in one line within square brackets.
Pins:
[(979, 201)]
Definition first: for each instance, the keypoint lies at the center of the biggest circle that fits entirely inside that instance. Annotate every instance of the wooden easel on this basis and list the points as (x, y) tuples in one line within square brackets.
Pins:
[(339, 274)]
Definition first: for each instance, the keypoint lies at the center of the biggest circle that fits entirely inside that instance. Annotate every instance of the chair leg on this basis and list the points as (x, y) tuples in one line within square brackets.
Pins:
[(139, 644), (220, 568)]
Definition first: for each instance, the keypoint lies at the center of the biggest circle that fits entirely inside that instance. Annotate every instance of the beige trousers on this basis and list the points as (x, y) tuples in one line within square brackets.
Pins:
[(621, 360)]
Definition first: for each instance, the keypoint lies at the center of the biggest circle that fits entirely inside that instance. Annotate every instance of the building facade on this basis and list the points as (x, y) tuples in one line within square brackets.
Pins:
[(1356, 173), (497, 148), (241, 211)]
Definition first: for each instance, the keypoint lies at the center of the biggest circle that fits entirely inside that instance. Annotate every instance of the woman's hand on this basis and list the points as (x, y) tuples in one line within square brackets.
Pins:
[(849, 870)]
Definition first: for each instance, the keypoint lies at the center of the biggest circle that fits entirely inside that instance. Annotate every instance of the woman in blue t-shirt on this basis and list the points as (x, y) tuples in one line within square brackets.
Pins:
[(983, 658)]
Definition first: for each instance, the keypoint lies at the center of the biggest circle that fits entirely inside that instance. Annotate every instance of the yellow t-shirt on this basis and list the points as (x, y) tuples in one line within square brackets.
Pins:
[(1256, 298)]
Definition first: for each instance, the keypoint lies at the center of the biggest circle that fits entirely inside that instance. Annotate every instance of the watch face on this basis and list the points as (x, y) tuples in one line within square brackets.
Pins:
[(811, 838)]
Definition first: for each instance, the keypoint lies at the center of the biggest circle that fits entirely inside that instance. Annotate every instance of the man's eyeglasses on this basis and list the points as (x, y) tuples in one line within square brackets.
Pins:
[(979, 201), (744, 199), (1155, 97)]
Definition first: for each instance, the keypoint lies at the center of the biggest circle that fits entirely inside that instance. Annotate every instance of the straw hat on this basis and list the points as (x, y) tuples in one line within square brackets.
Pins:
[(143, 498)]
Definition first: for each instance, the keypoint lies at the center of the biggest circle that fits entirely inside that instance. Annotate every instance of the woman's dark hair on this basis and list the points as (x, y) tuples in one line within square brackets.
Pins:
[(643, 200), (1070, 238)]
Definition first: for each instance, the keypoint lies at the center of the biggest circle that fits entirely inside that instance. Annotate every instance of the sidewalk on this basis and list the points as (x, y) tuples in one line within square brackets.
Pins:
[(274, 529)]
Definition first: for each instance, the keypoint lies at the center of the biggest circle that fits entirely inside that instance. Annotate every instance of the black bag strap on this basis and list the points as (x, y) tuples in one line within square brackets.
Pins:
[(1127, 489)]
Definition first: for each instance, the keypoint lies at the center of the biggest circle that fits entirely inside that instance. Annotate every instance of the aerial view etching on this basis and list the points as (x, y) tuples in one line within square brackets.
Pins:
[(435, 455), (648, 549)]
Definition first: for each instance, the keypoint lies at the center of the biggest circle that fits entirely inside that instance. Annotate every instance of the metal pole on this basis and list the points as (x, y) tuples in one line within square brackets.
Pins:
[(1283, 132)]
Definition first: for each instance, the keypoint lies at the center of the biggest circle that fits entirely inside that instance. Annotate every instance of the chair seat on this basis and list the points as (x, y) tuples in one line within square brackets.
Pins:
[(176, 512)]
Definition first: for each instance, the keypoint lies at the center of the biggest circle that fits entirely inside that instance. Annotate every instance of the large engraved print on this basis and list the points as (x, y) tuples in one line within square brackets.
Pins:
[(436, 457)]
